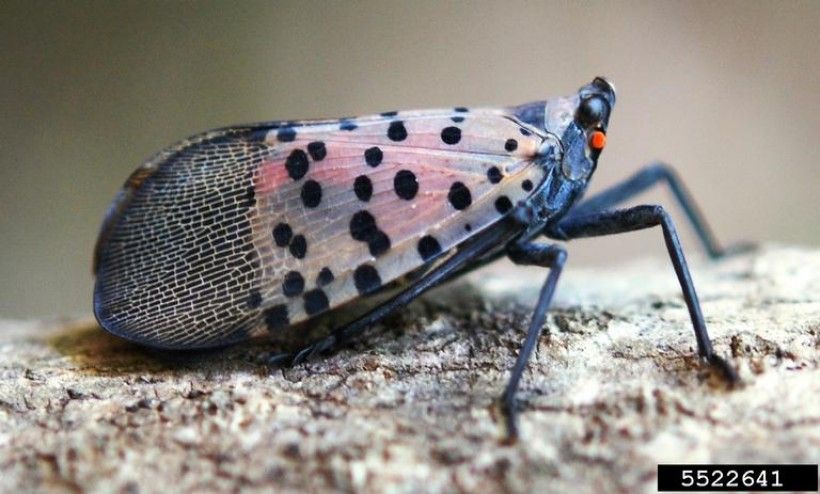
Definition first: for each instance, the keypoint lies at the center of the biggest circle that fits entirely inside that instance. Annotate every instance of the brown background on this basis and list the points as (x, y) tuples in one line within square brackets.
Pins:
[(728, 92)]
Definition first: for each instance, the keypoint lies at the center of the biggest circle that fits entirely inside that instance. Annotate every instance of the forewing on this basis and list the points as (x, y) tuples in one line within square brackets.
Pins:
[(266, 226)]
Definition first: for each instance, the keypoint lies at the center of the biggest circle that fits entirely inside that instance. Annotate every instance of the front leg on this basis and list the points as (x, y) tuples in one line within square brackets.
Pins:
[(642, 181), (638, 218)]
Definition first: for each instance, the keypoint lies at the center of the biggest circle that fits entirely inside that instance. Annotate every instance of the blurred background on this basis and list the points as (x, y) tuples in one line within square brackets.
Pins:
[(728, 92)]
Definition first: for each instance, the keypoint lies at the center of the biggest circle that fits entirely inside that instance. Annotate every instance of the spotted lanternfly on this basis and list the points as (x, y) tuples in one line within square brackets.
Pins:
[(255, 228)]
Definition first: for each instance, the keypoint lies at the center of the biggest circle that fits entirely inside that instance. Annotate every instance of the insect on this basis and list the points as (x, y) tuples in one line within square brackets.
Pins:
[(255, 228)]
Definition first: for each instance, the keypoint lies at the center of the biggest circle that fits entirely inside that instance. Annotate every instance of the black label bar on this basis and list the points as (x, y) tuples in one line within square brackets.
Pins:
[(748, 478)]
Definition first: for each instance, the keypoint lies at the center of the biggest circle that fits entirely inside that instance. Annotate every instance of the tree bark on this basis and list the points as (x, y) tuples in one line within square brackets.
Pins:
[(614, 388)]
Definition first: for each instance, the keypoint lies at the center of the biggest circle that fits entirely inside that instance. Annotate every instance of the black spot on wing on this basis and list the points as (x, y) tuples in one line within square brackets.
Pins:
[(494, 175), (311, 194), (367, 279), (396, 131), (298, 246), (325, 277), (451, 135), (315, 301), (459, 196), (317, 150), (282, 233), (363, 188), (297, 164), (362, 226), (286, 134), (428, 247), (503, 204), (379, 244), (293, 284), (373, 156), (405, 184), (364, 229)]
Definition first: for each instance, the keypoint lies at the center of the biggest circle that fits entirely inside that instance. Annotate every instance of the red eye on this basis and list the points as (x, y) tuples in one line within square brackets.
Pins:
[(597, 140)]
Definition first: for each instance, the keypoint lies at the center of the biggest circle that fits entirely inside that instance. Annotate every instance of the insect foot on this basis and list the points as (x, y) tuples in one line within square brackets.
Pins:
[(279, 360), (506, 407), (724, 369), (738, 248)]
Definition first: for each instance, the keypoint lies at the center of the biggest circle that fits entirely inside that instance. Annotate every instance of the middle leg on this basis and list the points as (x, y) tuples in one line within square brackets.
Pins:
[(548, 256)]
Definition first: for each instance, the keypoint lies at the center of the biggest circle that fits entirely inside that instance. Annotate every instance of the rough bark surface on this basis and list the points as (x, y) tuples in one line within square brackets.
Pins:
[(614, 389)]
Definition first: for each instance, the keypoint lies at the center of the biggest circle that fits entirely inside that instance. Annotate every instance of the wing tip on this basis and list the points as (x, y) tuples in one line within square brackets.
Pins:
[(104, 317), (125, 330)]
